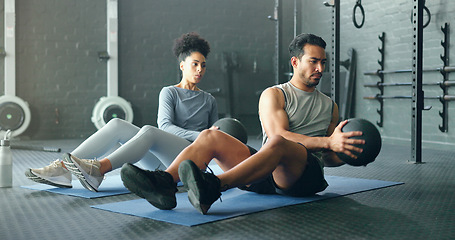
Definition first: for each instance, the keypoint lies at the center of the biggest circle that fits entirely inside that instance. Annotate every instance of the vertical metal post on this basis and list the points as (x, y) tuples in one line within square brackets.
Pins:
[(10, 47), (276, 16), (112, 47), (444, 114), (295, 18), (417, 92), (335, 59), (381, 62)]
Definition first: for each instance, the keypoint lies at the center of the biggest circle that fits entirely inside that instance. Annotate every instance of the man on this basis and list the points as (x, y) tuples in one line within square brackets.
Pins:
[(300, 132)]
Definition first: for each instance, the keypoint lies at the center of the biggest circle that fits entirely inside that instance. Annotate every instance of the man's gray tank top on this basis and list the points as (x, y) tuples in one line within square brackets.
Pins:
[(309, 113)]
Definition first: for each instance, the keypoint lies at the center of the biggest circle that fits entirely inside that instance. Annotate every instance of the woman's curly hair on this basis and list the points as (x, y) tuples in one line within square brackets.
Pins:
[(189, 43)]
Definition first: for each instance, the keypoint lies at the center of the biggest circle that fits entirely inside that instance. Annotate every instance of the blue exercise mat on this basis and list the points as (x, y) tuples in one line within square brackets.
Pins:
[(110, 186), (237, 202)]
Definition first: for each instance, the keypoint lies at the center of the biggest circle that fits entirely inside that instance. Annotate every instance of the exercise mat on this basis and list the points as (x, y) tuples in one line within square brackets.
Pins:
[(110, 186), (236, 202)]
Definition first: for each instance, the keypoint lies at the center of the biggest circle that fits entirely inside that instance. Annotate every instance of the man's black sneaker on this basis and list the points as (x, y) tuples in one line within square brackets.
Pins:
[(157, 187), (203, 187)]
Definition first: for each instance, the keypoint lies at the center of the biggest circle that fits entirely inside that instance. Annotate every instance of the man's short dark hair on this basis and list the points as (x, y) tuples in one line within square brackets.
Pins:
[(296, 46)]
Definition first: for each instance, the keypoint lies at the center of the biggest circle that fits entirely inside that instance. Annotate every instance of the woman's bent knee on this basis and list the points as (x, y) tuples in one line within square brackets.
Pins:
[(146, 128), (149, 131), (117, 122)]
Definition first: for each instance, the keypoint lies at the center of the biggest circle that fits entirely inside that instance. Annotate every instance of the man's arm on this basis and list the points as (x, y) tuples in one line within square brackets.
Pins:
[(329, 157)]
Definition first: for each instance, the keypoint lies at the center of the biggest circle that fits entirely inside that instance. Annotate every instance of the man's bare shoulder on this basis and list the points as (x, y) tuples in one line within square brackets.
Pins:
[(272, 92), (271, 97)]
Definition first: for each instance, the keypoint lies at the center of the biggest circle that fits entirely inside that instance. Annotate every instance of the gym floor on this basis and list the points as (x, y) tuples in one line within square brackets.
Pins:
[(422, 208)]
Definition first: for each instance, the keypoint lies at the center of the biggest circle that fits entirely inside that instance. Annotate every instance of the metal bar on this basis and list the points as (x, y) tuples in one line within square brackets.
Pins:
[(445, 60), (276, 18), (381, 62), (346, 98), (377, 97), (10, 47), (36, 148), (443, 83), (441, 98), (112, 48), (295, 18), (335, 76), (447, 98), (417, 92), (441, 69)]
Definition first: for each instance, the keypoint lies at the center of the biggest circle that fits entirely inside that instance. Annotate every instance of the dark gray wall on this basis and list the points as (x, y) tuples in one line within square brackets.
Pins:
[(147, 30), (59, 75), (58, 72)]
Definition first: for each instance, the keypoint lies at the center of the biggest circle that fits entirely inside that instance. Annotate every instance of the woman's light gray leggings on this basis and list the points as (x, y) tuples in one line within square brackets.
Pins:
[(148, 144)]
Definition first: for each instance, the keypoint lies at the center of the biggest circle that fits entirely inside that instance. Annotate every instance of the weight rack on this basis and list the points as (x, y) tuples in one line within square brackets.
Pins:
[(444, 84), (417, 70)]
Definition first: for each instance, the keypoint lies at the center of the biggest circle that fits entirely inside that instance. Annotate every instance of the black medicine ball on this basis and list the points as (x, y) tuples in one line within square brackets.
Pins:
[(372, 145), (233, 127)]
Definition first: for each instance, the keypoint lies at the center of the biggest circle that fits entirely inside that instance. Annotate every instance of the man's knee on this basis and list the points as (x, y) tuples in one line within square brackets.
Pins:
[(281, 145), (213, 140), (276, 142), (208, 135)]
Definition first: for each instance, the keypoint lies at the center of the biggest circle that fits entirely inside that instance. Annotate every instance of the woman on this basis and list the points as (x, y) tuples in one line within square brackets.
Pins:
[(184, 111)]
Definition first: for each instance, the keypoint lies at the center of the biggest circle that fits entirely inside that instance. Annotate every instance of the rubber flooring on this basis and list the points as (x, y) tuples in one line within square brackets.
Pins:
[(422, 208)]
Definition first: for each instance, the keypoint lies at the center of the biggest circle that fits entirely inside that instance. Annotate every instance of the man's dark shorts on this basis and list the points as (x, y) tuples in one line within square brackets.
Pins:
[(310, 182)]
